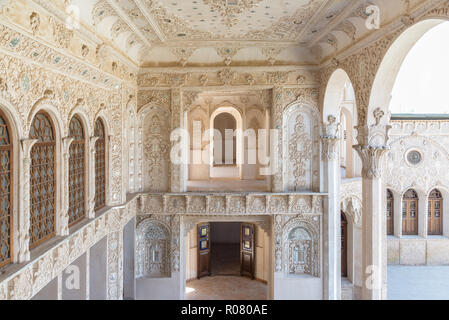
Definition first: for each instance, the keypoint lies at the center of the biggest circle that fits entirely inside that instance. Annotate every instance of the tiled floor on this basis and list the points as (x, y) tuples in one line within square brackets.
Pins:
[(227, 185), (418, 282), (226, 288)]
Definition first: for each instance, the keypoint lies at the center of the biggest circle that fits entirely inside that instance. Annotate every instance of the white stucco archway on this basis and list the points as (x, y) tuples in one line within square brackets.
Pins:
[(390, 66), (232, 110)]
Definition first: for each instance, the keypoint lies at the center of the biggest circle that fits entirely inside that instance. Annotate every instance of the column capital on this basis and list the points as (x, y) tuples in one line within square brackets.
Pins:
[(92, 142), (330, 139), (330, 148), (66, 142), (27, 144), (371, 160)]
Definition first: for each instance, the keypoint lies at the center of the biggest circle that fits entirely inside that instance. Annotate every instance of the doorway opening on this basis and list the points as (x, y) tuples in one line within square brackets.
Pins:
[(227, 265)]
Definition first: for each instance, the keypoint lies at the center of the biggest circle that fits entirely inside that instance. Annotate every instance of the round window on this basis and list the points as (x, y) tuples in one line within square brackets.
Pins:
[(414, 157)]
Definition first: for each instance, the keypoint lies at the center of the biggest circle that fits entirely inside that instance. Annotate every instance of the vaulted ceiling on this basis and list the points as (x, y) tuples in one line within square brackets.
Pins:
[(162, 33)]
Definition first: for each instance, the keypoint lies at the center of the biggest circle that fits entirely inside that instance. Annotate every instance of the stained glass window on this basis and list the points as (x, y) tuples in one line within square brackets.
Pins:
[(100, 165), (5, 193), (77, 172), (42, 180)]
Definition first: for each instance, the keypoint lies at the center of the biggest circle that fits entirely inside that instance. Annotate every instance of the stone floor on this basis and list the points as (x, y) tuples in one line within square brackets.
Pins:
[(226, 288), (225, 259), (227, 185), (418, 282)]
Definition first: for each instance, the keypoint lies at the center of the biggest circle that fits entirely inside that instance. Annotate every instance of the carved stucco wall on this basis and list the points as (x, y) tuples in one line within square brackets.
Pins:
[(431, 140), (301, 131), (283, 225), (153, 241), (155, 149), (362, 61)]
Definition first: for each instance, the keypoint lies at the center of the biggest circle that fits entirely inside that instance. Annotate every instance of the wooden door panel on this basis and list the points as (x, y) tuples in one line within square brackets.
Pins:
[(203, 260), (247, 250)]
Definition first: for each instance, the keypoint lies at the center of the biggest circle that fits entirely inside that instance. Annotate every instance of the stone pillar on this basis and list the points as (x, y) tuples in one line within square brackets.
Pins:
[(276, 123), (177, 181), (115, 265), (64, 217), (24, 204), (110, 149), (373, 218), (372, 147), (91, 182), (331, 219)]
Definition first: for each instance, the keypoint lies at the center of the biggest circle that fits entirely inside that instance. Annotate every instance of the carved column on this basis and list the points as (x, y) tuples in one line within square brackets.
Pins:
[(91, 189), (115, 265), (64, 218), (331, 219), (372, 222), (109, 199), (276, 155), (24, 213), (177, 180), (373, 141)]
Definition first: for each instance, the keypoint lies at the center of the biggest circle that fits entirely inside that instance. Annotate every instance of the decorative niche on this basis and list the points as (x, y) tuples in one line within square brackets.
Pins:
[(153, 250)]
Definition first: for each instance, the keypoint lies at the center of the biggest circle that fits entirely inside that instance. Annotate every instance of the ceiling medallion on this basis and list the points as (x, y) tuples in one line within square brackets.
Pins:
[(229, 9)]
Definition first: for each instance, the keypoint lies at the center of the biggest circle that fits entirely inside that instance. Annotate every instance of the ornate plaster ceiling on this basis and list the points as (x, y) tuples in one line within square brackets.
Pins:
[(216, 32)]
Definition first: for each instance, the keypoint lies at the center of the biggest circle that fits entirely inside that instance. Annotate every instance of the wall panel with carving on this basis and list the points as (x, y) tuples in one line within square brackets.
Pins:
[(418, 156), (301, 148)]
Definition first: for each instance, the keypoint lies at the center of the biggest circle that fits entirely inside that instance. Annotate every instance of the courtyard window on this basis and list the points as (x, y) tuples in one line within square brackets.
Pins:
[(100, 165), (42, 180), (77, 172), (6, 221)]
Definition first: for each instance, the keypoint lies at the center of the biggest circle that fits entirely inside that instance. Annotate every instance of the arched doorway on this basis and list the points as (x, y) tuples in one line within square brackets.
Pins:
[(392, 62), (226, 136), (217, 252), (225, 149)]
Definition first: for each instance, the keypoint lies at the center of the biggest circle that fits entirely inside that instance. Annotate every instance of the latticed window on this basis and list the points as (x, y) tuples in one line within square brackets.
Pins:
[(77, 172), (100, 166), (42, 180), (410, 213), (390, 213), (5, 192), (435, 208)]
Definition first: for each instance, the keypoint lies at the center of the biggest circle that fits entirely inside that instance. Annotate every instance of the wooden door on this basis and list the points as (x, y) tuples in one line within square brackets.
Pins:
[(203, 250), (247, 250), (410, 213), (435, 208), (390, 213), (344, 246)]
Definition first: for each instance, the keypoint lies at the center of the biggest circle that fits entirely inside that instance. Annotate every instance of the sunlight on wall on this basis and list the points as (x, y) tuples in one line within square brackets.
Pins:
[(422, 82)]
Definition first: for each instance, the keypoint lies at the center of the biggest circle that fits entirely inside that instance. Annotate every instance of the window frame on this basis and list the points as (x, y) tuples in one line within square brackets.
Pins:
[(10, 148), (72, 145), (52, 125), (105, 167)]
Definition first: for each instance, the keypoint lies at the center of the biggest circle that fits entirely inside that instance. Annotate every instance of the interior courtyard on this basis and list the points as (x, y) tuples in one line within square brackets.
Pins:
[(224, 150)]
